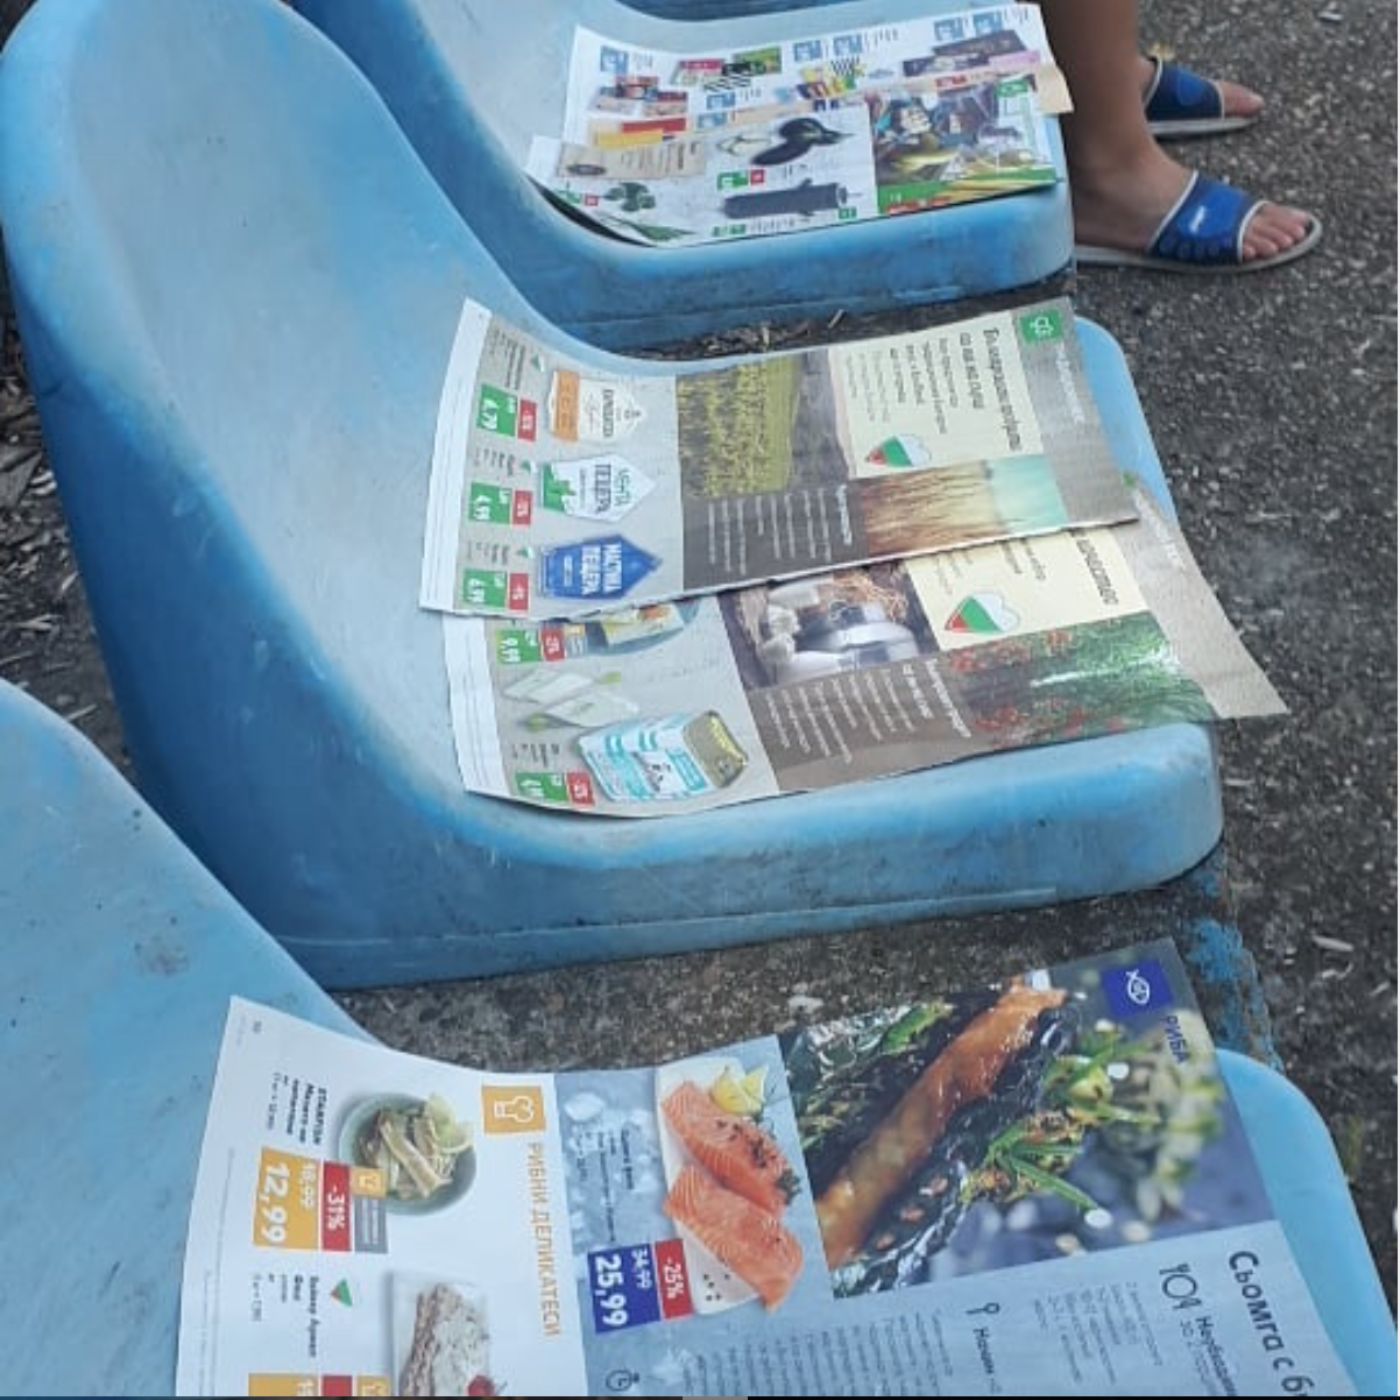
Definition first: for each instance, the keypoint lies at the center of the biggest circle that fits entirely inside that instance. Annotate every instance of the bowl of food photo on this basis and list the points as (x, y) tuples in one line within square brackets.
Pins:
[(423, 1149)]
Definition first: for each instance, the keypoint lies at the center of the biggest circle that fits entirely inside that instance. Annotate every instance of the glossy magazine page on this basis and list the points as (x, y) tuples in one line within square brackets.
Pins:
[(849, 676), (1036, 1188), (559, 491)]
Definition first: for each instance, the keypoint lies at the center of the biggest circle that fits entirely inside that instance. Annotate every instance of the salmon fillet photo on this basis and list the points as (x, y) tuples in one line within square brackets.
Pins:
[(967, 1071), (749, 1241), (734, 1150)]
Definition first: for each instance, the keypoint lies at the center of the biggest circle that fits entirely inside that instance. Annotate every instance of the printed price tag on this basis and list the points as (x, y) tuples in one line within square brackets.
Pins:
[(335, 1208), (515, 646), (305, 1204), (286, 1213), (622, 1283), (484, 588), (674, 1279), (552, 643), (488, 504), (542, 787), (284, 1383), (498, 411)]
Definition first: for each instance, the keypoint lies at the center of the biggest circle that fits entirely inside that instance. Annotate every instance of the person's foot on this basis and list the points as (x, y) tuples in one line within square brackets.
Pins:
[(1124, 207), (1240, 101)]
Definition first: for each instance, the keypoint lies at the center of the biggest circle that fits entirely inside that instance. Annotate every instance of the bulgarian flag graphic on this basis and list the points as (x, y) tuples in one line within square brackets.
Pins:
[(902, 450), (984, 615)]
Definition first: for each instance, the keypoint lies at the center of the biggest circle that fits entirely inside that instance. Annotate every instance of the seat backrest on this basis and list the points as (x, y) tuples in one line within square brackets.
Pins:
[(239, 286)]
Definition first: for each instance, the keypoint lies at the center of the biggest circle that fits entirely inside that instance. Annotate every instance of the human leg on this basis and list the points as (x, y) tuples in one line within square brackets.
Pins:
[(1124, 184)]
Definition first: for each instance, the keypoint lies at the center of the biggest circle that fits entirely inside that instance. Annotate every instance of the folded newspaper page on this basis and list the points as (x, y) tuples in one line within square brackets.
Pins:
[(561, 491), (848, 676), (1038, 1188), (925, 144), (617, 88)]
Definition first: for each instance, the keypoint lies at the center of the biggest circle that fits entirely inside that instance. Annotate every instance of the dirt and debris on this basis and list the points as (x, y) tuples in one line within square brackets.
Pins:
[(47, 644)]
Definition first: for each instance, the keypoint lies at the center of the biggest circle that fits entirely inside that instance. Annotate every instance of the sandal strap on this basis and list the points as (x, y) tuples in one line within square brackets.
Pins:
[(1177, 94), (1206, 226)]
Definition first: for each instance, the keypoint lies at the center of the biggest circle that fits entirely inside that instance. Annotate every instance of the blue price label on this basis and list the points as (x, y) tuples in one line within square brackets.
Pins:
[(622, 1282)]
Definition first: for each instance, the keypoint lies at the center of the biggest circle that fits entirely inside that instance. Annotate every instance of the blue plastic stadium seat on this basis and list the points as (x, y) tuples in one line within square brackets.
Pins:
[(238, 290), (472, 81), (118, 955)]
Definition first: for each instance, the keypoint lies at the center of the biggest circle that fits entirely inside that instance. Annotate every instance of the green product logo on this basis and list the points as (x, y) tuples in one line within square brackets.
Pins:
[(1042, 327), (543, 787), (497, 411), (847, 213), (1014, 88), (733, 179), (488, 504), (517, 647), (555, 493), (484, 588)]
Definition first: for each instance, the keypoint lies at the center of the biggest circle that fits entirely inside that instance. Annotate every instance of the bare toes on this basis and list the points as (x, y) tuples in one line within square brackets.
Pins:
[(1273, 230), (1241, 101)]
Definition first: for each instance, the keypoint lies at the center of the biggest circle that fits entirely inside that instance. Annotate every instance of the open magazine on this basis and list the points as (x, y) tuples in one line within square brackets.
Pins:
[(847, 676), (621, 90), (925, 144), (670, 149), (561, 491), (1038, 1188)]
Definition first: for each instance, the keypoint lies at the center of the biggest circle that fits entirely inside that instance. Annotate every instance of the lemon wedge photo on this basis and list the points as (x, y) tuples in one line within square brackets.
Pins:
[(743, 1097)]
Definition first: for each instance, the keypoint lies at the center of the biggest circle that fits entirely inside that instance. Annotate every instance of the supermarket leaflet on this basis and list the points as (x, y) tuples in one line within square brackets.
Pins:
[(626, 89), (848, 676), (926, 144), (560, 490), (1037, 1188)]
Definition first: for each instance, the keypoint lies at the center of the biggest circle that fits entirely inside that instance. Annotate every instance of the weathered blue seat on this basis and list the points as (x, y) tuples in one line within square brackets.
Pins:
[(238, 290), (471, 93), (118, 954)]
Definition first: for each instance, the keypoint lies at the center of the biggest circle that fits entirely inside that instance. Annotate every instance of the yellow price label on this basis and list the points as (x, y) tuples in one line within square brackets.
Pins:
[(287, 1208), (271, 1384)]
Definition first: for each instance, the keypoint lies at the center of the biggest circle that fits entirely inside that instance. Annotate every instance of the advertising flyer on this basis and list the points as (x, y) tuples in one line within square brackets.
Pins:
[(559, 491), (1037, 1188), (848, 676), (619, 88), (880, 152)]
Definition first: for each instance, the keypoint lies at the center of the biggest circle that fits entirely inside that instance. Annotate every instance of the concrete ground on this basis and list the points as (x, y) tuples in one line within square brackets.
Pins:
[(1273, 401)]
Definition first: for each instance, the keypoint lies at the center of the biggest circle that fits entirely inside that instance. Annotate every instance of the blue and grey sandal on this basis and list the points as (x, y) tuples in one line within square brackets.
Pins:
[(1181, 103), (1203, 233)]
